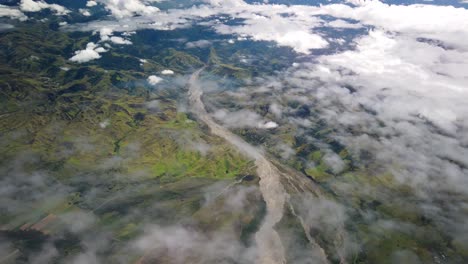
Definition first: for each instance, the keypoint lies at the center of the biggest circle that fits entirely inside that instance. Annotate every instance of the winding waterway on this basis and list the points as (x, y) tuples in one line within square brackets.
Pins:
[(270, 248)]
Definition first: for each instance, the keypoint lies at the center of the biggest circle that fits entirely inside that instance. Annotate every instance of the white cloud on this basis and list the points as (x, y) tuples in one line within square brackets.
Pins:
[(333, 161), (153, 80), (120, 40), (167, 72), (285, 31), (7, 11), (444, 23), (181, 244), (293, 26), (129, 8), (243, 118), (106, 34), (268, 125), (104, 123), (406, 105), (260, 23), (226, 3), (154, 104), (84, 12), (91, 3), (36, 6), (276, 109), (90, 53), (339, 23), (198, 44), (85, 55)]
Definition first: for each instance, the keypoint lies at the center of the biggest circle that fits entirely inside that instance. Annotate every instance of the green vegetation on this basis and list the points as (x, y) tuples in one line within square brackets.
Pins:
[(93, 135), (218, 68)]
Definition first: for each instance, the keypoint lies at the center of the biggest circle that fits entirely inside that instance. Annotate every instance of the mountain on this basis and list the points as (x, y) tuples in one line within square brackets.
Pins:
[(145, 131)]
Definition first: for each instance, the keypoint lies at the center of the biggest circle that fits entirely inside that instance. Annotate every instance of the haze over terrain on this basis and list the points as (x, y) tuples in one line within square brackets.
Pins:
[(233, 131)]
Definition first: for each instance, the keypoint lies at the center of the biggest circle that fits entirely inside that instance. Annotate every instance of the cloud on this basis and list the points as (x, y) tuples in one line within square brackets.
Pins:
[(334, 161), (129, 8), (46, 255), (198, 44), (183, 243), (154, 104), (5, 27), (11, 12), (276, 109), (405, 93), (91, 3), (280, 30), (450, 26), (243, 118), (153, 80), (268, 125), (328, 218), (104, 123), (90, 53), (120, 40), (180, 244), (259, 23), (201, 147), (167, 72), (395, 99), (78, 222), (226, 3), (106, 34), (36, 6), (295, 25), (85, 12), (339, 23)]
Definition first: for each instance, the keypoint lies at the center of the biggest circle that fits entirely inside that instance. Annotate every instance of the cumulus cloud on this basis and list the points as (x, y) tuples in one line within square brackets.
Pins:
[(120, 41), (167, 72), (397, 99), (11, 12), (90, 53), (294, 25), (405, 96), (106, 34), (129, 8), (84, 12), (450, 26), (274, 27), (36, 6), (268, 125), (91, 3), (154, 80), (259, 23)]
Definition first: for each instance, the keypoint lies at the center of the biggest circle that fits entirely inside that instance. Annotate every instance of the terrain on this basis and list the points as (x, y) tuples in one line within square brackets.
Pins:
[(233, 132)]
